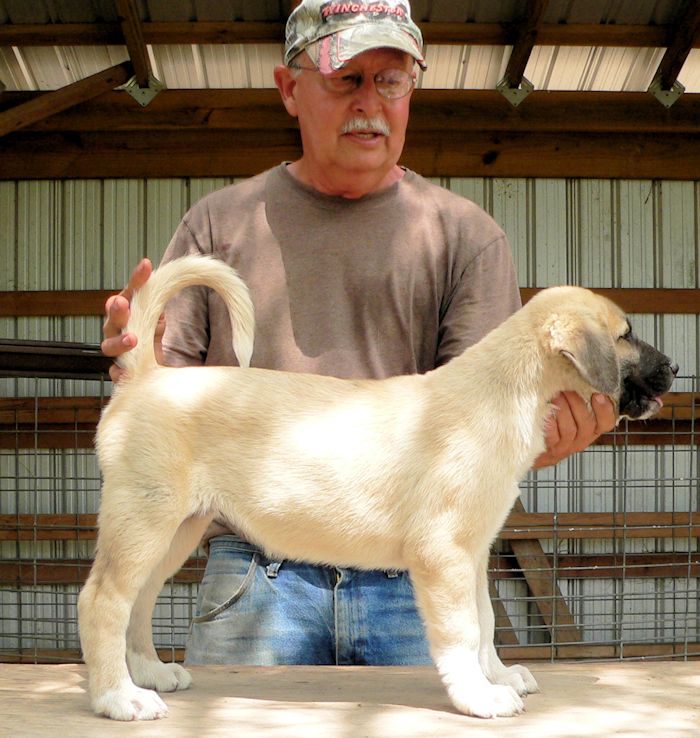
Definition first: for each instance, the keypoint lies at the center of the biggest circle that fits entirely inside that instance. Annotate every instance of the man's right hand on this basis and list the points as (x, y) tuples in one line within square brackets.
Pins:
[(116, 341)]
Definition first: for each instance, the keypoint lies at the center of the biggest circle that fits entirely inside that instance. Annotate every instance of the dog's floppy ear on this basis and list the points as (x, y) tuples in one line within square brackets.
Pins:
[(589, 348)]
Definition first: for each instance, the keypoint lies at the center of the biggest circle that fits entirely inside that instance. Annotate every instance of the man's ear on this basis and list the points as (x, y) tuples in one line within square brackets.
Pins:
[(286, 84)]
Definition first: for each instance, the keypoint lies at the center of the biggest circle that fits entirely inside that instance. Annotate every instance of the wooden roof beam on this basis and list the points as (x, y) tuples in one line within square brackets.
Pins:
[(682, 39), (514, 87), (458, 111), (665, 86), (526, 33), (54, 102), (451, 133), (134, 39)]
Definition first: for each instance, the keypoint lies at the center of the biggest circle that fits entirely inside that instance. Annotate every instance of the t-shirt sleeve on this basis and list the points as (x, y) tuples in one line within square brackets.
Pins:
[(485, 292)]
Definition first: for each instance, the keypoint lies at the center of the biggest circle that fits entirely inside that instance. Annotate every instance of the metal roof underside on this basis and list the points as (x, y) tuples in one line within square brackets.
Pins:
[(38, 53)]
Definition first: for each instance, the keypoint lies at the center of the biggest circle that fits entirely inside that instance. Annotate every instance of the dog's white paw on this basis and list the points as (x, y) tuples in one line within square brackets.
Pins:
[(130, 703), (155, 674), (519, 678), (488, 701), (524, 676)]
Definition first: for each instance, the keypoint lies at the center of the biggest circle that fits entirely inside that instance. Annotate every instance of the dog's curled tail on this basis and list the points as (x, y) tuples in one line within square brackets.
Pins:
[(149, 302)]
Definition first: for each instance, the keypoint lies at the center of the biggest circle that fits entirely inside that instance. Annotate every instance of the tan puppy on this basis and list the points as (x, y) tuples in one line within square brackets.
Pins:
[(414, 472)]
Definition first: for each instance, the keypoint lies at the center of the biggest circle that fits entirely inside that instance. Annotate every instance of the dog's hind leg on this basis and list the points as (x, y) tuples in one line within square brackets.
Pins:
[(446, 592), (127, 553), (146, 669), (518, 677)]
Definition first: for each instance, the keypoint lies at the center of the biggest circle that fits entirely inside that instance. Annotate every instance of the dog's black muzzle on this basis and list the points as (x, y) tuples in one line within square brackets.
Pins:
[(645, 381)]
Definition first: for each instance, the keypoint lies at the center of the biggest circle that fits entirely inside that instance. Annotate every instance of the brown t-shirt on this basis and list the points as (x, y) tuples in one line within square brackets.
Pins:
[(396, 282)]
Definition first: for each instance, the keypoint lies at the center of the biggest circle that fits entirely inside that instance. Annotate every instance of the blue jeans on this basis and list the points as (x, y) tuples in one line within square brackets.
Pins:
[(254, 610)]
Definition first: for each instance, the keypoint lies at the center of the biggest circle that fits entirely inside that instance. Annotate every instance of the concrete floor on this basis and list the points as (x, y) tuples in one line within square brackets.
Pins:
[(635, 699)]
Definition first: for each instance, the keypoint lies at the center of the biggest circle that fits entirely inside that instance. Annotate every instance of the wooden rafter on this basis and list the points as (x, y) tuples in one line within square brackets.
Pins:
[(682, 39), (541, 581), (242, 32), (132, 30), (525, 38), (451, 133), (436, 110), (433, 153), (55, 571), (505, 632), (519, 526), (35, 303), (54, 102)]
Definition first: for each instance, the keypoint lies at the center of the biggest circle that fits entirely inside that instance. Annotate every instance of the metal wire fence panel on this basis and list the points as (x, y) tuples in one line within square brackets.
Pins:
[(598, 560), (617, 543)]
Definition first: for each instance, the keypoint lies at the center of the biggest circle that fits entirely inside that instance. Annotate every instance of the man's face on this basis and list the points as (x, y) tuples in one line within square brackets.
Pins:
[(331, 151)]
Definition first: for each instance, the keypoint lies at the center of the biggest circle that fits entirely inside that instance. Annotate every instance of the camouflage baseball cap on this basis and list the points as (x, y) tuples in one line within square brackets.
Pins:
[(332, 33)]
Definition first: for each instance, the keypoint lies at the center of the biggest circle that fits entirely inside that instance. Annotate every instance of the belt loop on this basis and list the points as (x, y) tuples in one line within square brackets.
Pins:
[(273, 569)]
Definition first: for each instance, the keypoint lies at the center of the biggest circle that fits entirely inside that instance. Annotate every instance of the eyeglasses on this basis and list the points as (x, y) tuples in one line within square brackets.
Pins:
[(392, 84)]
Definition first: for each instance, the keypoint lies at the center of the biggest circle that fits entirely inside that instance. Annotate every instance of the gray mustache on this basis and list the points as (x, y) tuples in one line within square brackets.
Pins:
[(376, 124)]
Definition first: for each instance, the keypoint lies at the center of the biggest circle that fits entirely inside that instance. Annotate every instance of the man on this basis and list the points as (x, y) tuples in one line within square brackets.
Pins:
[(357, 268)]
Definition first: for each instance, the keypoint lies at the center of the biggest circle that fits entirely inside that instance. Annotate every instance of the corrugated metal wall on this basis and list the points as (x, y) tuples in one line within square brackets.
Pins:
[(89, 234), (599, 233)]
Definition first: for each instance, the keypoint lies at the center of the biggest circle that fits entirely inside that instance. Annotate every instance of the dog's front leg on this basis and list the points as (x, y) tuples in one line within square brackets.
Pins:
[(516, 676), (447, 594)]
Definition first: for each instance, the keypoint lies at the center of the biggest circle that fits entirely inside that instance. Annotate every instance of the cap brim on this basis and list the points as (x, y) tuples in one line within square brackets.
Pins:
[(337, 49)]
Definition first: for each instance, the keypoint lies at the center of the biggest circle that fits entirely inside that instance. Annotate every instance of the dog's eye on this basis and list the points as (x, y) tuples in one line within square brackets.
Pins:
[(628, 335)]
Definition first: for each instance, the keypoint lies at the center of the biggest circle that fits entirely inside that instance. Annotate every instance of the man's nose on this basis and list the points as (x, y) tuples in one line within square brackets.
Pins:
[(366, 97)]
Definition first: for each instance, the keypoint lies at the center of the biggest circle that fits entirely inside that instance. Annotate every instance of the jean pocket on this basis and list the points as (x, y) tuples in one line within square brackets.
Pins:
[(227, 578)]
